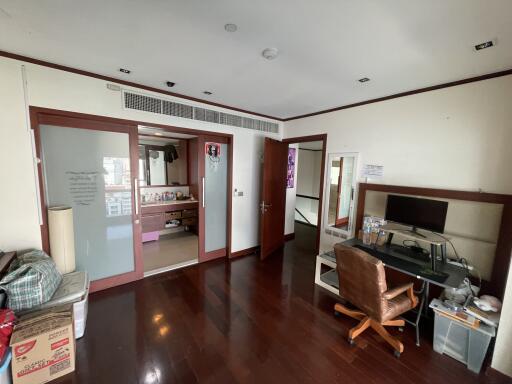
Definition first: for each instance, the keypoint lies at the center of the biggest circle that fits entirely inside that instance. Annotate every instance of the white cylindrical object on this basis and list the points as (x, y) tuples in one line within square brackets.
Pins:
[(62, 238)]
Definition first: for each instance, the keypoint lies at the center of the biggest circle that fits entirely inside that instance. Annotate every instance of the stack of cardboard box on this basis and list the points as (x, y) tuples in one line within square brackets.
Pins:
[(43, 346)]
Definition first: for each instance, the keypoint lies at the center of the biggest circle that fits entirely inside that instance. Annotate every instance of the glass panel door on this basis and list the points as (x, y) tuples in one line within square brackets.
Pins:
[(91, 171), (215, 196)]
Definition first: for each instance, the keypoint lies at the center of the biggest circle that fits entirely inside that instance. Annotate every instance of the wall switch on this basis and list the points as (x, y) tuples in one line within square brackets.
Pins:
[(240, 193)]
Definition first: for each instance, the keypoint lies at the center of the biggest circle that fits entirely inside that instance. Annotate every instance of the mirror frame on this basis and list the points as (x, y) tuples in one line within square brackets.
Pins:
[(352, 210)]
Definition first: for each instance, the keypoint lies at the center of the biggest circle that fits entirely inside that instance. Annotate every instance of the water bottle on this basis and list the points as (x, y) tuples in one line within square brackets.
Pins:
[(367, 233)]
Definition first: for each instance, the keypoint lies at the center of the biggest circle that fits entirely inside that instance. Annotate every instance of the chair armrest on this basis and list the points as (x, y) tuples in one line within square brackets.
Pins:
[(392, 293)]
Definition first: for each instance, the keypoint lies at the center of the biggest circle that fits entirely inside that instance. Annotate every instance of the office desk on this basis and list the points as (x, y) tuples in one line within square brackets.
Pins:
[(446, 275), (453, 275)]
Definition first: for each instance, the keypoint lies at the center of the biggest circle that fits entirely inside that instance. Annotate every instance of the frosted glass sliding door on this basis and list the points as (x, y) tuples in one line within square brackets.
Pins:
[(215, 198), (90, 171)]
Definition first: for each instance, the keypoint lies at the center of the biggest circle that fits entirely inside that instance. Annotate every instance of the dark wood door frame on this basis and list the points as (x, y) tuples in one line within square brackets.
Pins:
[(38, 114), (323, 139)]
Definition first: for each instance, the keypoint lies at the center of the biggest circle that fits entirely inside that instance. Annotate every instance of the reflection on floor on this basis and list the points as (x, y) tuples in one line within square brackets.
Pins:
[(243, 320), (171, 249), (305, 238)]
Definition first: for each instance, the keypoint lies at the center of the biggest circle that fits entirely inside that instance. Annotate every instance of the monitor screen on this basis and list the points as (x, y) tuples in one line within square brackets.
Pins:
[(420, 213)]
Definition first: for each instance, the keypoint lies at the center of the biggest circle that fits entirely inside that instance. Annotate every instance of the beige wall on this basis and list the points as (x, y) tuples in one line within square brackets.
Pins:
[(453, 138), (19, 220), (51, 88), (308, 175)]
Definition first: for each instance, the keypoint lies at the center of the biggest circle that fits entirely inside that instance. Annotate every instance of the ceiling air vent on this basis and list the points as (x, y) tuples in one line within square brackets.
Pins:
[(166, 107)]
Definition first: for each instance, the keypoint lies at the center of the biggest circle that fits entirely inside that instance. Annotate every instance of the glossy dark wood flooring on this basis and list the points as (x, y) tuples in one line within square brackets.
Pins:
[(244, 321)]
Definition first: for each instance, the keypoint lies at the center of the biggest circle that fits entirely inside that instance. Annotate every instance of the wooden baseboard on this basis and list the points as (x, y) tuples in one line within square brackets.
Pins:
[(289, 236), (245, 252), (214, 255)]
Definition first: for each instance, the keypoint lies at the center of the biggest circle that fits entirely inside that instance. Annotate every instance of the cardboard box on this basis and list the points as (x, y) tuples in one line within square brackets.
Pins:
[(43, 346)]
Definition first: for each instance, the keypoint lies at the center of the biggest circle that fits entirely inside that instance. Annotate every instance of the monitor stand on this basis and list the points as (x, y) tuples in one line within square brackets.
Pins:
[(415, 232)]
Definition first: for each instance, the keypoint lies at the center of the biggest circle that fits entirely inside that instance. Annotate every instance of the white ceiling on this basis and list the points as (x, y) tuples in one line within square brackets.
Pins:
[(325, 45)]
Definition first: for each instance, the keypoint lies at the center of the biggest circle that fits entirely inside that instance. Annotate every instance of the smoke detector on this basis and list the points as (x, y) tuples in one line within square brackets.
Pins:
[(230, 27), (270, 53)]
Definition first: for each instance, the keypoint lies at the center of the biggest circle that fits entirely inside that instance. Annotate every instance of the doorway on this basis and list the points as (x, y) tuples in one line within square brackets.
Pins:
[(185, 203), (278, 169), (303, 192), (169, 210)]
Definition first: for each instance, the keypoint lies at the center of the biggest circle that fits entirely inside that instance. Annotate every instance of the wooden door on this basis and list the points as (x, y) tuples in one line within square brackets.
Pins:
[(273, 197)]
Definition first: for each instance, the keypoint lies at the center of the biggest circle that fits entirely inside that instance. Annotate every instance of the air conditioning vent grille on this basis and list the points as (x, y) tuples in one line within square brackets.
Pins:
[(165, 107)]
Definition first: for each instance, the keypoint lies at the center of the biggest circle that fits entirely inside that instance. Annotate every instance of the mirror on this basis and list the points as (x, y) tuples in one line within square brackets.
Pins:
[(341, 178), (163, 164)]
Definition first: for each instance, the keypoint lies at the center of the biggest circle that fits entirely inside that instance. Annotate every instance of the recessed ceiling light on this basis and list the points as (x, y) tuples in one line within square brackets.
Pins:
[(270, 53), (230, 27), (207, 93), (170, 84), (487, 44), (363, 80), (127, 71), (158, 134)]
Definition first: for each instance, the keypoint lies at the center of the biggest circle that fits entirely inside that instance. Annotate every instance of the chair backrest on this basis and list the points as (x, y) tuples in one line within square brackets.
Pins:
[(362, 279)]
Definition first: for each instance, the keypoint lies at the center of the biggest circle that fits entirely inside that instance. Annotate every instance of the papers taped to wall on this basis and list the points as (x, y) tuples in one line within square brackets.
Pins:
[(372, 171)]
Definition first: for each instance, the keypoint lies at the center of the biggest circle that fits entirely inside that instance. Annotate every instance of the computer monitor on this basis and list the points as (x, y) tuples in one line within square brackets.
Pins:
[(418, 213)]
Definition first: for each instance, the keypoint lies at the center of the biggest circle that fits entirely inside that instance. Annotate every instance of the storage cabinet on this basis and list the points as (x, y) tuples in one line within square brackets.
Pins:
[(173, 215), (154, 217), (189, 213), (152, 222), (189, 221)]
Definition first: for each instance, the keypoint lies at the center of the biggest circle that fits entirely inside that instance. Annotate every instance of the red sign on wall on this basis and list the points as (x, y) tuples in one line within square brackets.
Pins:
[(212, 149)]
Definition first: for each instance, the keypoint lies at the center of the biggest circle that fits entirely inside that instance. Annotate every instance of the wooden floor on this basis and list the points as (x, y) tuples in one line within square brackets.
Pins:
[(170, 249), (244, 321)]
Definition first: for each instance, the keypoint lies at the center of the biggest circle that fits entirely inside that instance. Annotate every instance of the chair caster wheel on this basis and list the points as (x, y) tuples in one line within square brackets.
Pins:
[(337, 314), (351, 341), (400, 329), (396, 353)]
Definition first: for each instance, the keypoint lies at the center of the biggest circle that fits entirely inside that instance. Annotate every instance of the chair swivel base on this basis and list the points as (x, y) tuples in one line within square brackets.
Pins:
[(366, 322)]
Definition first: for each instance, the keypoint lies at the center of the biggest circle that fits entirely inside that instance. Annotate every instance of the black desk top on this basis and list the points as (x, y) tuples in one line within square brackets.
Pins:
[(448, 276)]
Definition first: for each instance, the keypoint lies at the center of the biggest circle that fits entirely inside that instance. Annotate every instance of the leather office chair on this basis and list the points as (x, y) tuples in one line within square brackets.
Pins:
[(362, 280)]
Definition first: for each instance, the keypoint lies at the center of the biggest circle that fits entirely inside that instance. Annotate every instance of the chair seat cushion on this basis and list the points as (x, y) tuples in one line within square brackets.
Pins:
[(395, 307)]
